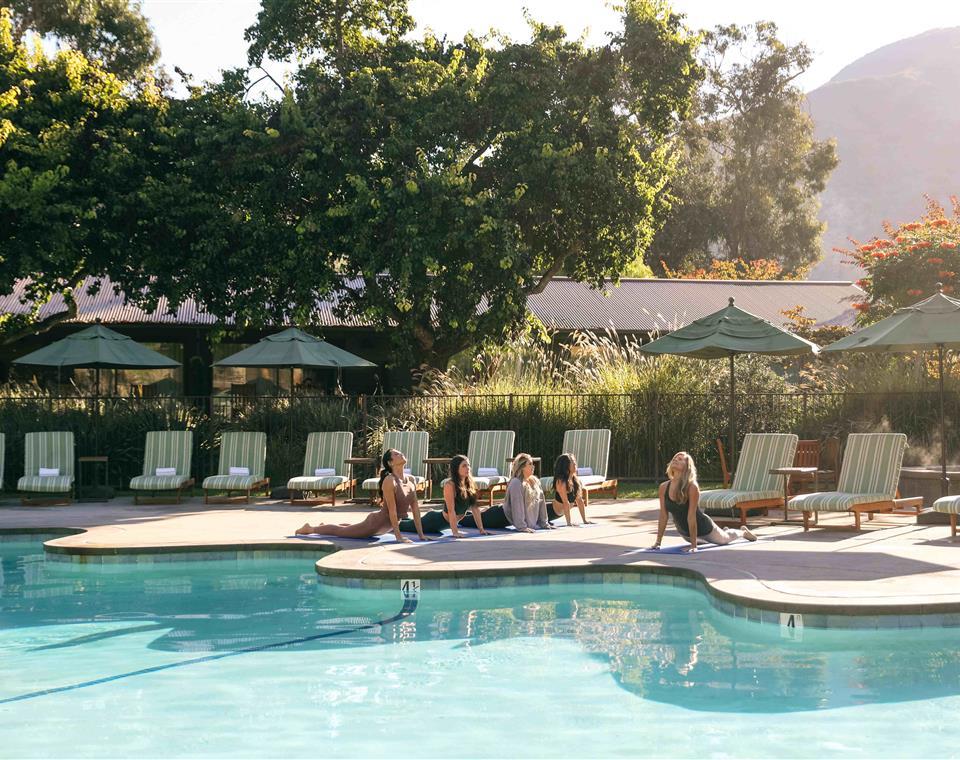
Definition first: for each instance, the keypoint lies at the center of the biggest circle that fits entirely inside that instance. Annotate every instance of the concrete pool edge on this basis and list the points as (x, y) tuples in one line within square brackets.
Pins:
[(737, 606)]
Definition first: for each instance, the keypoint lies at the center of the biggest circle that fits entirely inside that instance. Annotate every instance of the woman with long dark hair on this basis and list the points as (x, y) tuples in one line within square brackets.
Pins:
[(398, 498), (459, 496), (568, 490)]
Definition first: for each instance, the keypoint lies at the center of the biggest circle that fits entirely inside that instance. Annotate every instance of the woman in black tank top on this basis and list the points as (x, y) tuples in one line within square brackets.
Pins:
[(680, 499)]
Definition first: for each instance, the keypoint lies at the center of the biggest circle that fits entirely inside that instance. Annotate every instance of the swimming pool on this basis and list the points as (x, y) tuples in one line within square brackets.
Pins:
[(529, 671)]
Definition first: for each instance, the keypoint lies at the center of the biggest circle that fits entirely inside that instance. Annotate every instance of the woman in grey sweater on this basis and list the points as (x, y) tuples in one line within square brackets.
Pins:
[(524, 504)]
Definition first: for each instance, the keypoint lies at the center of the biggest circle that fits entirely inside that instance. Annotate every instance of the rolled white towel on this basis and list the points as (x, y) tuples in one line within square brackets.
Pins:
[(239, 470), (581, 471), (165, 471), (487, 472), (49, 472), (322, 472)]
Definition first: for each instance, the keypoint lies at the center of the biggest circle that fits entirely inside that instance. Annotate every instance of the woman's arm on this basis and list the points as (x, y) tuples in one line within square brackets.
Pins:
[(450, 510), (543, 519), (390, 499), (694, 496), (478, 519), (662, 524)]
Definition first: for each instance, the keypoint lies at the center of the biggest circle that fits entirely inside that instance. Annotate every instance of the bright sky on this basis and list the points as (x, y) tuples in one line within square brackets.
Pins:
[(204, 36)]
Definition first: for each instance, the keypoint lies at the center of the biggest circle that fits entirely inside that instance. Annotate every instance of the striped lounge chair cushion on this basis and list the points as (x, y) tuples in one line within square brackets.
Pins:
[(49, 450), (761, 453), (834, 501), (870, 473), (324, 451), (243, 450), (50, 484), (312, 483), (229, 482), (165, 448), (157, 482), (947, 504)]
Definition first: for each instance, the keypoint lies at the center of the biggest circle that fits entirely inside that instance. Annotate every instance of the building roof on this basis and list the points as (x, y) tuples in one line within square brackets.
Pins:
[(565, 305)]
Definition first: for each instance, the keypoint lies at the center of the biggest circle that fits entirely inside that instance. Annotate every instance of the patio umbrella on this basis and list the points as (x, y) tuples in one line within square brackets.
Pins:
[(723, 335), (97, 348), (931, 323), (293, 348)]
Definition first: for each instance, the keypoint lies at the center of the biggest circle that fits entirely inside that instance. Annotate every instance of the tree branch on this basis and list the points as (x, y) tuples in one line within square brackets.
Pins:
[(28, 327), (551, 272)]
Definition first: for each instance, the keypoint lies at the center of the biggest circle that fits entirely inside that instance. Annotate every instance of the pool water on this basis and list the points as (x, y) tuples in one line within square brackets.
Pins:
[(534, 671)]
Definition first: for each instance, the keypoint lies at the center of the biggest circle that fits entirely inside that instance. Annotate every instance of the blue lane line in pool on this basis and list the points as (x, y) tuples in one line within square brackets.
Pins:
[(409, 607)]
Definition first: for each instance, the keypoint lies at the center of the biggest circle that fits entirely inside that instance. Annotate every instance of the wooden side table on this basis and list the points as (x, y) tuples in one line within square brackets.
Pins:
[(354, 462), (84, 488), (786, 472)]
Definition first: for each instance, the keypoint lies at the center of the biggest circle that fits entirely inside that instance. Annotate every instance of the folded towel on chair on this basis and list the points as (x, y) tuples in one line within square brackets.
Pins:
[(165, 471), (321, 472), (49, 472), (239, 470)]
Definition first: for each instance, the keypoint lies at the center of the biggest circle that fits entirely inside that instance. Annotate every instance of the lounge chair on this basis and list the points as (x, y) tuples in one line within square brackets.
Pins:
[(165, 450), (490, 451), (48, 466), (591, 448), (949, 505), (868, 480), (754, 489), (239, 452), (415, 445), (325, 473)]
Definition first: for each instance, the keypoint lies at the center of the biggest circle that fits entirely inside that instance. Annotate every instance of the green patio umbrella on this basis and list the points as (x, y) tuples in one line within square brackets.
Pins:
[(931, 323), (723, 335), (97, 347), (293, 349)]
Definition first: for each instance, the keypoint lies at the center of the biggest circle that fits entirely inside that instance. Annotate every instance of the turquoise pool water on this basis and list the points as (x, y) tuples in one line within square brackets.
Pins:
[(568, 671)]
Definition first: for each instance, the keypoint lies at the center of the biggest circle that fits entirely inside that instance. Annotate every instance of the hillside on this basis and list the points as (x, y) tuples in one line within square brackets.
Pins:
[(895, 114)]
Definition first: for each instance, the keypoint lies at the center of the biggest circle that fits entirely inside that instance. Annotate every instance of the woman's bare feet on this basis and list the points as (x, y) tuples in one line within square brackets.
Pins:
[(304, 530), (749, 534)]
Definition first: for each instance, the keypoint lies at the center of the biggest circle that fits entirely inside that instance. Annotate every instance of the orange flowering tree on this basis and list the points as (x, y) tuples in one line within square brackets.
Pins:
[(736, 269), (906, 264)]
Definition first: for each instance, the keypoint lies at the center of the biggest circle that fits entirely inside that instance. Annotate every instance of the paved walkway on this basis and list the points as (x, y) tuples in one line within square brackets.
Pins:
[(894, 566)]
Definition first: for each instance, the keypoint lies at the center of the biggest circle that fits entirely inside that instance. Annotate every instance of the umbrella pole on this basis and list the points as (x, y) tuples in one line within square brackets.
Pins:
[(944, 481), (732, 433)]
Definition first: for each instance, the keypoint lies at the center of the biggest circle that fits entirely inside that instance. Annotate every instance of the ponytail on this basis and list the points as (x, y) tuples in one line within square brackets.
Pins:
[(385, 470)]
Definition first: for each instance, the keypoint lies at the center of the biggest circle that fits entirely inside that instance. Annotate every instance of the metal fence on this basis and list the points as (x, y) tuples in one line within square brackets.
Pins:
[(647, 427)]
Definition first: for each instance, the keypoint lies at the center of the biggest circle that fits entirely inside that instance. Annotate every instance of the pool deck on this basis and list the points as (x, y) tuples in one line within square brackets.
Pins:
[(894, 567)]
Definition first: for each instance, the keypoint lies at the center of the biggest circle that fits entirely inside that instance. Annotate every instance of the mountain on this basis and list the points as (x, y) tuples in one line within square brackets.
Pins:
[(895, 114)]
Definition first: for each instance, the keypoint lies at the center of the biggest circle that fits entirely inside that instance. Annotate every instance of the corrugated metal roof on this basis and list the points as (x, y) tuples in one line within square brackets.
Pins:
[(633, 306)]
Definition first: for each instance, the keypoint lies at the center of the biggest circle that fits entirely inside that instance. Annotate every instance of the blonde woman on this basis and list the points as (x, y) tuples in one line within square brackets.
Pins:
[(524, 504), (680, 498)]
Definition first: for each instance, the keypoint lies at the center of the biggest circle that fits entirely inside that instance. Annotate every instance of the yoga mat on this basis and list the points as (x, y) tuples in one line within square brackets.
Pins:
[(679, 549)]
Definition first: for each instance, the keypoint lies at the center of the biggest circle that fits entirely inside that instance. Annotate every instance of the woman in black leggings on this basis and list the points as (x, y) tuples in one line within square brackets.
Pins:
[(459, 497)]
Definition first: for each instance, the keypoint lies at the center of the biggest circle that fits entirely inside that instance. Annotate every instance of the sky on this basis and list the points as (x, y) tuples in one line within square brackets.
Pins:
[(204, 36)]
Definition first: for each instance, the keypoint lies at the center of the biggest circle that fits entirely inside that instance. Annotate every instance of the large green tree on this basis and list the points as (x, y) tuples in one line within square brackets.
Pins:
[(752, 171), (76, 149), (114, 32), (432, 186)]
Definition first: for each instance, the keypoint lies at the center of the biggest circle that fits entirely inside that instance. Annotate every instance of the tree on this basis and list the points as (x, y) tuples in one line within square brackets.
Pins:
[(751, 169), (114, 32), (331, 28), (438, 184), (906, 264), (722, 269), (74, 156)]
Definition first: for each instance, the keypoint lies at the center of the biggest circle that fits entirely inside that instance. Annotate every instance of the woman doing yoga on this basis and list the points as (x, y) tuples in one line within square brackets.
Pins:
[(398, 497), (680, 499), (459, 495)]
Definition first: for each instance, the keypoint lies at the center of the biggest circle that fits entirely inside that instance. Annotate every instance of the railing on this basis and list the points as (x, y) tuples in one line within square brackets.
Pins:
[(647, 427)]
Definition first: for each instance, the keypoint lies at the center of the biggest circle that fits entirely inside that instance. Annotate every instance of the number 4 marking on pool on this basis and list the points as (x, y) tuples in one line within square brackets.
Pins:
[(410, 589), (791, 626)]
